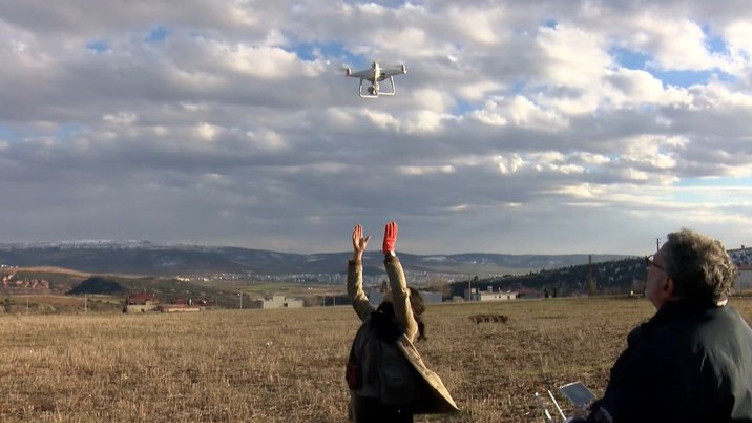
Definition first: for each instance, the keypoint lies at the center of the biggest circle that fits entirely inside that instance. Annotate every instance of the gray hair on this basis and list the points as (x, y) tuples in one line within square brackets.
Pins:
[(699, 266)]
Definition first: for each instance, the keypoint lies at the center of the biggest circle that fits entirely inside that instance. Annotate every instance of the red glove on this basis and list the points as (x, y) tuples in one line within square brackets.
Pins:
[(390, 237)]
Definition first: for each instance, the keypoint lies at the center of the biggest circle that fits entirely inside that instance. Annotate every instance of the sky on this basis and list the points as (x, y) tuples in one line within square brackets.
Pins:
[(536, 127)]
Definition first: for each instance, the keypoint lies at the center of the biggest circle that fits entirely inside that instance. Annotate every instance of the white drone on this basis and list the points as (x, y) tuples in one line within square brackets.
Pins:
[(375, 75)]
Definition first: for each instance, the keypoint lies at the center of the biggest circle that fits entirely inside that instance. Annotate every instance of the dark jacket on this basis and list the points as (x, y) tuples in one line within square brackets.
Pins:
[(436, 398), (691, 362)]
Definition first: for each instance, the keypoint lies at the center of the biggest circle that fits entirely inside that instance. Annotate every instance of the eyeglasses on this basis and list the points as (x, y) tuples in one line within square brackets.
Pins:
[(649, 262)]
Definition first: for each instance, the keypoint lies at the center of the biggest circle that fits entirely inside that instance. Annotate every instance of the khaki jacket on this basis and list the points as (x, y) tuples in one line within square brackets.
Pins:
[(440, 401)]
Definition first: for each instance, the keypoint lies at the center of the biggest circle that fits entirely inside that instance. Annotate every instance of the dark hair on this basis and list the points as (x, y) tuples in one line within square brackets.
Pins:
[(416, 300), (699, 266)]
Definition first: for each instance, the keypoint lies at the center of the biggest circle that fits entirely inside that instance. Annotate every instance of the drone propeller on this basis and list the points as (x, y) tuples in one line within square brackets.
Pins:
[(345, 68)]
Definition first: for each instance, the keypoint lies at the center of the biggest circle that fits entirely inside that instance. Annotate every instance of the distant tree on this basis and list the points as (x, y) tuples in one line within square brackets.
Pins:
[(99, 286)]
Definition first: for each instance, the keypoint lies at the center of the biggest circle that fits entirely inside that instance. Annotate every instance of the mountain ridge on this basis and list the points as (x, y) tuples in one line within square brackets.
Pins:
[(151, 258)]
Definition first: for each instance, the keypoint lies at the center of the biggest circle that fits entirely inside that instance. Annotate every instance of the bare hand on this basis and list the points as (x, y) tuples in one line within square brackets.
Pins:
[(359, 243)]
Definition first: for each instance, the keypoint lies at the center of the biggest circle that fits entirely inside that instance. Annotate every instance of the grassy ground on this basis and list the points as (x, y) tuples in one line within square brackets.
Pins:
[(288, 365)]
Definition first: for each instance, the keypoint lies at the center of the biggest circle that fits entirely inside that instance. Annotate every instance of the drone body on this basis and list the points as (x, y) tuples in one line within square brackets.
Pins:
[(374, 75)]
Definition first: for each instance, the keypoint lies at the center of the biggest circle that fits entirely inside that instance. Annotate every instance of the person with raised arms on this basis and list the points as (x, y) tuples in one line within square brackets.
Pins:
[(387, 378)]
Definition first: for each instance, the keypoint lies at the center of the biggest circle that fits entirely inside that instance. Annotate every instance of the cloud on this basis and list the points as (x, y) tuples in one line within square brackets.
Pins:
[(223, 122), (121, 118)]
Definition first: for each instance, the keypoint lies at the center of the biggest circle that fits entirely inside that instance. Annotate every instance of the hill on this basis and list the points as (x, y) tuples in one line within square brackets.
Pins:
[(99, 286), (147, 258), (610, 277)]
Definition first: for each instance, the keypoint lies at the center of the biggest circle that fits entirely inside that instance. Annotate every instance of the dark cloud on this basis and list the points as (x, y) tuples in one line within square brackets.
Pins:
[(514, 129)]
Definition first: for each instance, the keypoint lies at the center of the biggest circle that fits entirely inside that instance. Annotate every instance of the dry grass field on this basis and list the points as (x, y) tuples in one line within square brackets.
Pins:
[(288, 365)]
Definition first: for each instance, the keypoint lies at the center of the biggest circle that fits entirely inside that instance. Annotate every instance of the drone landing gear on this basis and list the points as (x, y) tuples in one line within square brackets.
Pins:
[(373, 90)]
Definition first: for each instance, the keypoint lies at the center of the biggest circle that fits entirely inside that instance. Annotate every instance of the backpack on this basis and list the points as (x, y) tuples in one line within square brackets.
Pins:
[(397, 382)]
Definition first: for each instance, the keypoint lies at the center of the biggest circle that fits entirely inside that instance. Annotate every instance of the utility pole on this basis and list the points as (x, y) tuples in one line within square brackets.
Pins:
[(657, 244)]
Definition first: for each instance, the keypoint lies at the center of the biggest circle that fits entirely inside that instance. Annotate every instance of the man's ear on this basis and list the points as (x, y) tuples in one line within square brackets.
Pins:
[(668, 288)]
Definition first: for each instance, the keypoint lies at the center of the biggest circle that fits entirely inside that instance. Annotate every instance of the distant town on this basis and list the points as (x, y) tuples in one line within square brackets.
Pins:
[(226, 290)]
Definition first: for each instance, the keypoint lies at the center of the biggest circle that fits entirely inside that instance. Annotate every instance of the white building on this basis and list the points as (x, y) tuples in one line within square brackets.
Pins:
[(431, 296), (475, 294), (375, 296), (744, 279), (277, 301), (741, 256)]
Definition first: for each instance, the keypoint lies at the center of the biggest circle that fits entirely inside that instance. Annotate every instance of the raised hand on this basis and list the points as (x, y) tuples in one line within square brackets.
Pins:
[(359, 243), (390, 237)]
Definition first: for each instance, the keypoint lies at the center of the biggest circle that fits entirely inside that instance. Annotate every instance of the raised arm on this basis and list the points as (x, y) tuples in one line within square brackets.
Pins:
[(355, 275), (403, 309)]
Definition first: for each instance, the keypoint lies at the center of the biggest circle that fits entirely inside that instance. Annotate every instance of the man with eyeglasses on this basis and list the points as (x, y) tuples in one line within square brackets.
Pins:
[(692, 361)]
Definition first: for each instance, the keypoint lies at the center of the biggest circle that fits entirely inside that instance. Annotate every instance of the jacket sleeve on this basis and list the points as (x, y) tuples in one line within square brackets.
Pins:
[(630, 385), (403, 309), (355, 290), (647, 381)]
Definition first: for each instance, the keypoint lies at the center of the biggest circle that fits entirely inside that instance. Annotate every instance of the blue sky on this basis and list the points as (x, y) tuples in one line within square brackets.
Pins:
[(98, 46), (7, 134), (534, 127)]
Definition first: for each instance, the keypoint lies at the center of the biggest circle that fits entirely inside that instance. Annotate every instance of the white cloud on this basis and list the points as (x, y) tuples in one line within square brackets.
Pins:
[(433, 100), (475, 90), (426, 170), (597, 159), (207, 131), (477, 24), (636, 175), (512, 164), (382, 120), (739, 38), (424, 122), (520, 112), (513, 117), (678, 44), (268, 140), (261, 62), (122, 118), (574, 57), (194, 107), (584, 190)]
